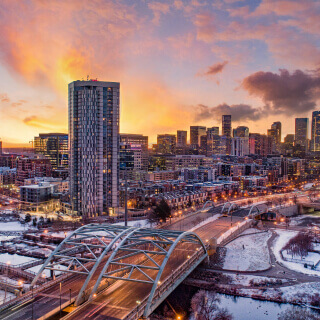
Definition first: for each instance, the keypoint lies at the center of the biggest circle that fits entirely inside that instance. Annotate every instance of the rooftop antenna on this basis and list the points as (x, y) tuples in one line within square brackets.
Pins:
[(87, 77)]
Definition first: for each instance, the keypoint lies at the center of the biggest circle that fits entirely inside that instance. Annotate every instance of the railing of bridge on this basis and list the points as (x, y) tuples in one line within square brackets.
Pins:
[(167, 283)]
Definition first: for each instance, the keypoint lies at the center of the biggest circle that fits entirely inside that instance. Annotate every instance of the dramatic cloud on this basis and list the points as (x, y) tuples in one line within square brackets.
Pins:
[(239, 112), (214, 69), (286, 92), (280, 25)]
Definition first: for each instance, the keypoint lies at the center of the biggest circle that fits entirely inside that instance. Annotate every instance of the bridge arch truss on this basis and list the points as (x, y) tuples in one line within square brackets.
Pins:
[(82, 251), (123, 253), (257, 209), (207, 203), (229, 206)]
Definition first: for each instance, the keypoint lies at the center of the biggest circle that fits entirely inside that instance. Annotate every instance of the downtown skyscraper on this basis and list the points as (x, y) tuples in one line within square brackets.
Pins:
[(301, 131), (315, 131), (94, 146), (226, 125)]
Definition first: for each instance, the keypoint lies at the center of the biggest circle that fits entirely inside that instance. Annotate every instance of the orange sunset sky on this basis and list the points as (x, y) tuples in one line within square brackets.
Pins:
[(180, 63)]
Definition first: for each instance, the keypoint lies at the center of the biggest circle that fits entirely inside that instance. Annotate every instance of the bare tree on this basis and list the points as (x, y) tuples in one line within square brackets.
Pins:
[(295, 313), (204, 305), (300, 245)]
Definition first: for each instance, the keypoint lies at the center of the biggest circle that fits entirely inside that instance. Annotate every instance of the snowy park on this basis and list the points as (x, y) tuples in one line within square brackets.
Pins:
[(248, 252)]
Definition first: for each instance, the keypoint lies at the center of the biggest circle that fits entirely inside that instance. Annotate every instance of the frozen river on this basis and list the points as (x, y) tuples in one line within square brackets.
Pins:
[(250, 309)]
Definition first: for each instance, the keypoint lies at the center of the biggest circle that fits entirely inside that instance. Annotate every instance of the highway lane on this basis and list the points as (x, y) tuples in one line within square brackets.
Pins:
[(49, 299), (121, 298)]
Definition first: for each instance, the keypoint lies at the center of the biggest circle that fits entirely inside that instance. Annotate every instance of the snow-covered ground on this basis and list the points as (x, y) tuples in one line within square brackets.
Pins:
[(136, 223), (15, 282), (248, 253), (244, 280), (12, 226), (296, 293), (15, 259), (9, 296), (7, 238), (311, 258), (60, 234), (35, 270), (283, 237)]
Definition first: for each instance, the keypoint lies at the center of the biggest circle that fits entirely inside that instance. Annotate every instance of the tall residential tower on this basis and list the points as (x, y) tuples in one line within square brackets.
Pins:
[(94, 146), (315, 131), (226, 125), (301, 131)]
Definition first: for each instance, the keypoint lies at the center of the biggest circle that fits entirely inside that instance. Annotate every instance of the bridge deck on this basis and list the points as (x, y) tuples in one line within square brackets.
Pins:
[(119, 299)]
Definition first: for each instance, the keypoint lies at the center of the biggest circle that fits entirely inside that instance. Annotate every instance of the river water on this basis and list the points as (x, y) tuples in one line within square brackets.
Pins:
[(250, 309)]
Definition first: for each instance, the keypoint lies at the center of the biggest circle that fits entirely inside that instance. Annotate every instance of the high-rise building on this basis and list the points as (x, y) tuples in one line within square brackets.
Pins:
[(276, 126), (94, 146), (226, 125), (301, 131), (241, 132), (260, 144), (275, 134), (240, 146), (53, 146), (289, 139), (167, 143), (315, 131), (181, 138), (195, 133), (213, 131), (137, 139), (32, 167), (130, 157), (203, 145)]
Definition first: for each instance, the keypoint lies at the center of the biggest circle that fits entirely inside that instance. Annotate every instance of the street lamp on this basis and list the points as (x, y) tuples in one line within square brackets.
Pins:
[(60, 298), (5, 292)]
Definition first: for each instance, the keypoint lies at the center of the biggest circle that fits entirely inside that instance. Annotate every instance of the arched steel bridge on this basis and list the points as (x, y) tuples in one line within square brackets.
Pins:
[(252, 211), (103, 254)]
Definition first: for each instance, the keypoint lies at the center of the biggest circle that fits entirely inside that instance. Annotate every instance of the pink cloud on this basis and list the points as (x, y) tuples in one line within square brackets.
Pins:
[(214, 69), (158, 9)]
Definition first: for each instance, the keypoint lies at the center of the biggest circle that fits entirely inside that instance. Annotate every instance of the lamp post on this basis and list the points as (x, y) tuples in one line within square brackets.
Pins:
[(32, 303), (5, 291), (60, 298), (126, 199)]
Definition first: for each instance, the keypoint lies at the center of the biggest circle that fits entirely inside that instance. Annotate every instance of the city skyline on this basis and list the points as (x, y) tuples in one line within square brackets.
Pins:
[(205, 59)]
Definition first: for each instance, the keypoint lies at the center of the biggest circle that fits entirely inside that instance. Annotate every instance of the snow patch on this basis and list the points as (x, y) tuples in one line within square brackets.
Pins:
[(248, 253), (283, 237)]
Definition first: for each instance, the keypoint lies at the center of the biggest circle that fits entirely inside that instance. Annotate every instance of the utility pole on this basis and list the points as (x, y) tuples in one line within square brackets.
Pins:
[(126, 199)]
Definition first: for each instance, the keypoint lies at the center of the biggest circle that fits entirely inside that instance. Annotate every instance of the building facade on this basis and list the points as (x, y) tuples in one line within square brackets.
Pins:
[(182, 138), (195, 133), (137, 139), (166, 143), (94, 146), (226, 125), (241, 132), (301, 131), (32, 167), (315, 131), (53, 146)]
